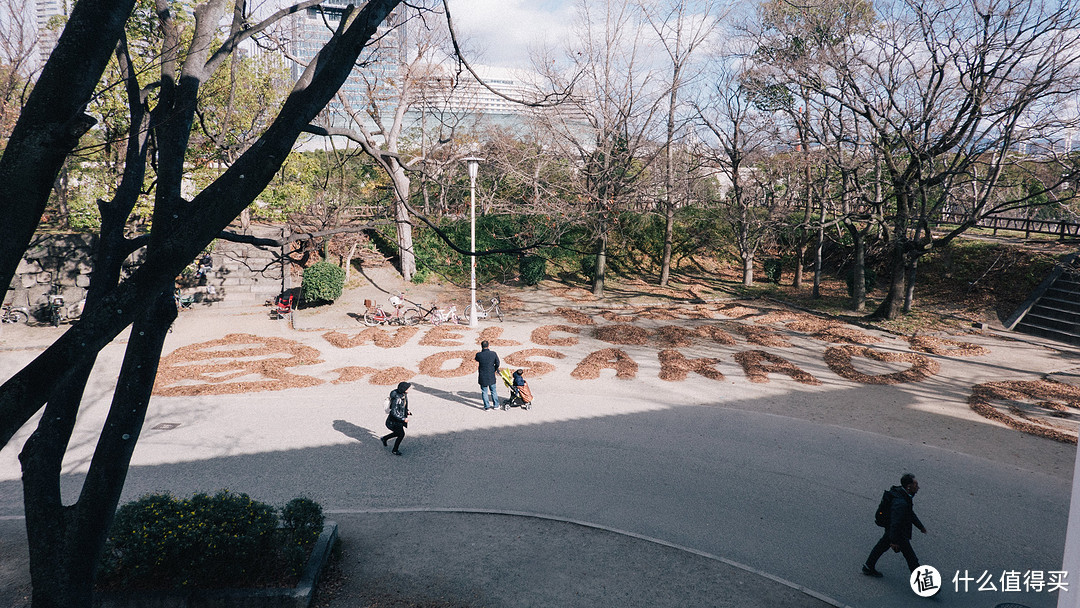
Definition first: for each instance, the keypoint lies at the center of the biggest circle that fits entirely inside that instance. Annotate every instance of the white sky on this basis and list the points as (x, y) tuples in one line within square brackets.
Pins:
[(501, 32)]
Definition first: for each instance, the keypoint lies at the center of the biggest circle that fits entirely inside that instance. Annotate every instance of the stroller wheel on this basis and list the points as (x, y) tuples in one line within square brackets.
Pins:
[(526, 406)]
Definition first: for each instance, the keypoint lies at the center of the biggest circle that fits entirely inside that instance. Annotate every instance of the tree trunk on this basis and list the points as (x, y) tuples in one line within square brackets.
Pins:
[(406, 255), (748, 268), (858, 270), (909, 280), (669, 234), (601, 268), (800, 253), (891, 306)]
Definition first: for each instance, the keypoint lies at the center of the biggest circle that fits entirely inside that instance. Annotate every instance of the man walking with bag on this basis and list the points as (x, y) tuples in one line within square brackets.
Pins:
[(486, 375), (901, 516), (396, 418)]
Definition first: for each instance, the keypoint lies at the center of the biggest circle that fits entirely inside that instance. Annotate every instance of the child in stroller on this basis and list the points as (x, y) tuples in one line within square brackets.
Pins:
[(520, 395)]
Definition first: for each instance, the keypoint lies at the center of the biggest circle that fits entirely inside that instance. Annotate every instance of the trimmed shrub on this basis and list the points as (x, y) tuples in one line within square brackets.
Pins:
[(322, 282), (533, 269), (219, 541)]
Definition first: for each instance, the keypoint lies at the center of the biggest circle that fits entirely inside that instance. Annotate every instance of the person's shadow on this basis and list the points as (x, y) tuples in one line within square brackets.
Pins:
[(464, 398), (352, 431)]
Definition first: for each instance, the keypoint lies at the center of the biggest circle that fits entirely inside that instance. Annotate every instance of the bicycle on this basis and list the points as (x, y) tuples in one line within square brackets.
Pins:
[(14, 314), (433, 315), (381, 317), (483, 312)]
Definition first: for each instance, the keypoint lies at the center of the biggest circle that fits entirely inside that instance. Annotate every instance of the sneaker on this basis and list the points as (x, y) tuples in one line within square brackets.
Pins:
[(396, 453), (868, 571)]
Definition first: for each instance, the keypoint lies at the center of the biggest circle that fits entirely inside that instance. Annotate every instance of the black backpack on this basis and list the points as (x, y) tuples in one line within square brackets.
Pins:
[(884, 509)]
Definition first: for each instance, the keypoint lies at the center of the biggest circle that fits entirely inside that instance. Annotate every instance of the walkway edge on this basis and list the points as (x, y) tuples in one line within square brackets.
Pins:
[(585, 524)]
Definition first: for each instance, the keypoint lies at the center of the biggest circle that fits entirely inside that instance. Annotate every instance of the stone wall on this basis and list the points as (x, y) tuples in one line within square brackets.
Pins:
[(60, 260), (241, 273)]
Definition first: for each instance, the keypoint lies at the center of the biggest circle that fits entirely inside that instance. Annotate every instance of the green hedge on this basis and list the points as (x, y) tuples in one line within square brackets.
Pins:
[(220, 541), (322, 282)]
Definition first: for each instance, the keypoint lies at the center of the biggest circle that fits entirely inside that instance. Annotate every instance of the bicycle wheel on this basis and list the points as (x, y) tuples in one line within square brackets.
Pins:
[(467, 313), (498, 312), (16, 316), (412, 316), (369, 320)]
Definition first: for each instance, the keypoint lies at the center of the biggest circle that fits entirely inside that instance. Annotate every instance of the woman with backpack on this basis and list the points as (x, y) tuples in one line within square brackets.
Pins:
[(397, 417)]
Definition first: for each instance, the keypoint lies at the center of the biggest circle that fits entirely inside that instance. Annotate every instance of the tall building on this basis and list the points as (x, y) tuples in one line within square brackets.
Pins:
[(377, 68), (50, 13)]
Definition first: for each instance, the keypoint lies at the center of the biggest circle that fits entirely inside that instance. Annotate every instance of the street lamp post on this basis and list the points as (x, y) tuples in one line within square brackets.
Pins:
[(474, 165)]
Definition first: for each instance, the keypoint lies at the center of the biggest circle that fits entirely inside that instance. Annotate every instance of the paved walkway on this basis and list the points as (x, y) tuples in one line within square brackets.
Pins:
[(621, 492)]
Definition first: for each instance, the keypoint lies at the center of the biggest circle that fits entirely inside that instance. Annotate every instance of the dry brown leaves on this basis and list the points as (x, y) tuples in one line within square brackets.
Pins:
[(574, 316), (758, 335), (1041, 407), (433, 365), (609, 358), (716, 334), (381, 377), (674, 367), (534, 369), (379, 337), (491, 334), (616, 317), (946, 347), (828, 330), (542, 335), (758, 364), (838, 358), (782, 316), (443, 336), (622, 334), (735, 311), (236, 363), (674, 336), (657, 313)]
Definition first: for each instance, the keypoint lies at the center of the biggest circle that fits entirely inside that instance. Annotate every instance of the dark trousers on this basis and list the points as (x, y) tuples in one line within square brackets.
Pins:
[(398, 431), (883, 545)]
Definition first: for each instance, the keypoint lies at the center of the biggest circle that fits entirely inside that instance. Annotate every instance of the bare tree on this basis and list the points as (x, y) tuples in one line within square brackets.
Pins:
[(950, 93), (682, 27), (66, 539), (607, 126), (744, 138), (16, 58)]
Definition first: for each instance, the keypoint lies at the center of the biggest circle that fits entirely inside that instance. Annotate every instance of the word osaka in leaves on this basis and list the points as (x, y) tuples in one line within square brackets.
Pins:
[(695, 344)]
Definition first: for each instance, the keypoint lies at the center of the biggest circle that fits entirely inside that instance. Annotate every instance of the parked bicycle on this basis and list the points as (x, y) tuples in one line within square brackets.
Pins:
[(483, 312), (433, 315), (14, 314), (382, 317), (57, 311)]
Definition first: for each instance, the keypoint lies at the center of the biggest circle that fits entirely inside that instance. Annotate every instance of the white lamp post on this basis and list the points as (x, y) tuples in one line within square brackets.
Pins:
[(474, 165)]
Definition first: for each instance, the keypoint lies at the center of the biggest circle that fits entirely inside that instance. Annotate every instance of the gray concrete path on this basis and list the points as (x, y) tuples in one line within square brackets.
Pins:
[(680, 491)]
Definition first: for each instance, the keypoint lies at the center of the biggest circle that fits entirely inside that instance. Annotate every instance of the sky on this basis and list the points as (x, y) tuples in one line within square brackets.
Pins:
[(501, 32)]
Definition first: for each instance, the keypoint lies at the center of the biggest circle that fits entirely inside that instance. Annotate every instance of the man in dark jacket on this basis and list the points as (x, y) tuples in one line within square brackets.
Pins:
[(397, 419), (487, 373), (897, 534)]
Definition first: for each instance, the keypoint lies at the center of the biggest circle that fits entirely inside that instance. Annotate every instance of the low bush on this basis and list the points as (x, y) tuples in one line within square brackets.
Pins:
[(772, 268), (207, 542), (533, 269), (322, 282)]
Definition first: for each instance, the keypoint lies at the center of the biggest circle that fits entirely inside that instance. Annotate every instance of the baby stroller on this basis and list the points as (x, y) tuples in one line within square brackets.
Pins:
[(520, 395)]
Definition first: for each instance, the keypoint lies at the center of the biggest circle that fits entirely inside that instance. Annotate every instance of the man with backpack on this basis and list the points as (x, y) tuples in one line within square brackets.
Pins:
[(397, 415), (896, 513)]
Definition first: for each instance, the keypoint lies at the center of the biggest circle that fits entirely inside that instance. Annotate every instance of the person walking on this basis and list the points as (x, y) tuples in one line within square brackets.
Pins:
[(897, 534), (486, 374), (397, 419)]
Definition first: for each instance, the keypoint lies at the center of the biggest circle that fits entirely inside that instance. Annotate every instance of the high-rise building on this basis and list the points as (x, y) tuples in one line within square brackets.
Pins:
[(377, 67), (49, 15)]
